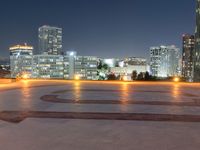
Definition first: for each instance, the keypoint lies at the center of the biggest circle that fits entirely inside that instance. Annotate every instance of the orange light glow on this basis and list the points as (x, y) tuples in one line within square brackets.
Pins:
[(176, 79), (77, 94), (25, 76), (125, 78), (125, 92), (23, 47), (77, 77)]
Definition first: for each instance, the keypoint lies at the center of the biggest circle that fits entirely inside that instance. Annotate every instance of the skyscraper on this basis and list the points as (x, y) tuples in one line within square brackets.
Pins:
[(196, 75), (187, 56), (50, 40), (164, 61)]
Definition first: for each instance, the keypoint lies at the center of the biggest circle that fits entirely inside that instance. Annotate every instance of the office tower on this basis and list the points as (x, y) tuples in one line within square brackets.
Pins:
[(164, 61), (196, 60), (21, 60), (187, 56), (50, 40)]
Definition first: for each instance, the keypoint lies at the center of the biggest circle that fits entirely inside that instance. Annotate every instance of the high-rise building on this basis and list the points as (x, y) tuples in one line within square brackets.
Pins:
[(196, 60), (50, 40), (187, 56), (20, 60), (164, 61)]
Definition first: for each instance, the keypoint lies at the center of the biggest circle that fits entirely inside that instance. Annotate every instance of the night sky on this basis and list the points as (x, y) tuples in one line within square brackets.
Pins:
[(104, 28)]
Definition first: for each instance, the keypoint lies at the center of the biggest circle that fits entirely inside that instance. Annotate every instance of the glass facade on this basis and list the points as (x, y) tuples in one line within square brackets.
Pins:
[(20, 60), (48, 66), (54, 66), (50, 40), (69, 61), (164, 61), (86, 67), (187, 57), (196, 54)]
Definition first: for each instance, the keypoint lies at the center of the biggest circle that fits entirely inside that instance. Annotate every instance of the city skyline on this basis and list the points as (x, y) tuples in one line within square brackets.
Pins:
[(100, 28), (100, 74)]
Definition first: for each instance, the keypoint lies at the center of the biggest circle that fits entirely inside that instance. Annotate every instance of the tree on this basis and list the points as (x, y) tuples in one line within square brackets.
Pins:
[(100, 65), (116, 64), (147, 76), (134, 75), (111, 76), (105, 66), (140, 76)]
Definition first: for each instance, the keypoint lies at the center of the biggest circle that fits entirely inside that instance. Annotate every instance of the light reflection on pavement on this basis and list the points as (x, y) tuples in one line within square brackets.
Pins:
[(96, 113)]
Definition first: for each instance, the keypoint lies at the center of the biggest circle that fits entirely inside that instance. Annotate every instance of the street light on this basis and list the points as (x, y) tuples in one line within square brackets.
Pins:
[(125, 78), (176, 79), (77, 77)]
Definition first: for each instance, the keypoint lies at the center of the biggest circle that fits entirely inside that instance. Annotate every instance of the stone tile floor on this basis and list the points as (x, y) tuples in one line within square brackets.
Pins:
[(84, 115)]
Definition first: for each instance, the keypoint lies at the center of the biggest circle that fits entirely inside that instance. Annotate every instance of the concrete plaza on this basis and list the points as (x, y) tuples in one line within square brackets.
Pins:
[(87, 115)]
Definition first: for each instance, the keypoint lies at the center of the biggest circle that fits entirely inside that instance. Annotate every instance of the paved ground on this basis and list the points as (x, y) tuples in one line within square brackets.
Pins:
[(60, 115)]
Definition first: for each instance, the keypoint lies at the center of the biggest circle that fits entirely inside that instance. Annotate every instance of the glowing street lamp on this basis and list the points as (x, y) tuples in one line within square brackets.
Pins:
[(77, 77), (125, 78), (25, 76), (176, 79)]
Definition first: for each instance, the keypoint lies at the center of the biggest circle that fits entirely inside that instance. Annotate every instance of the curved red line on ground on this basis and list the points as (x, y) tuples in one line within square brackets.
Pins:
[(55, 99)]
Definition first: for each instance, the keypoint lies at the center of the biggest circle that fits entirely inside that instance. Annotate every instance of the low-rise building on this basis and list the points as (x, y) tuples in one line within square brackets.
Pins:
[(44, 66), (135, 61), (48, 66), (86, 67), (128, 70)]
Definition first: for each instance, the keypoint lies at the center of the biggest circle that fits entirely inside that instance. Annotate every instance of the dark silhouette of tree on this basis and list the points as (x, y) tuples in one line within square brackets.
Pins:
[(147, 76), (134, 75), (111, 76), (116, 64), (140, 76), (118, 77), (100, 65), (105, 66)]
